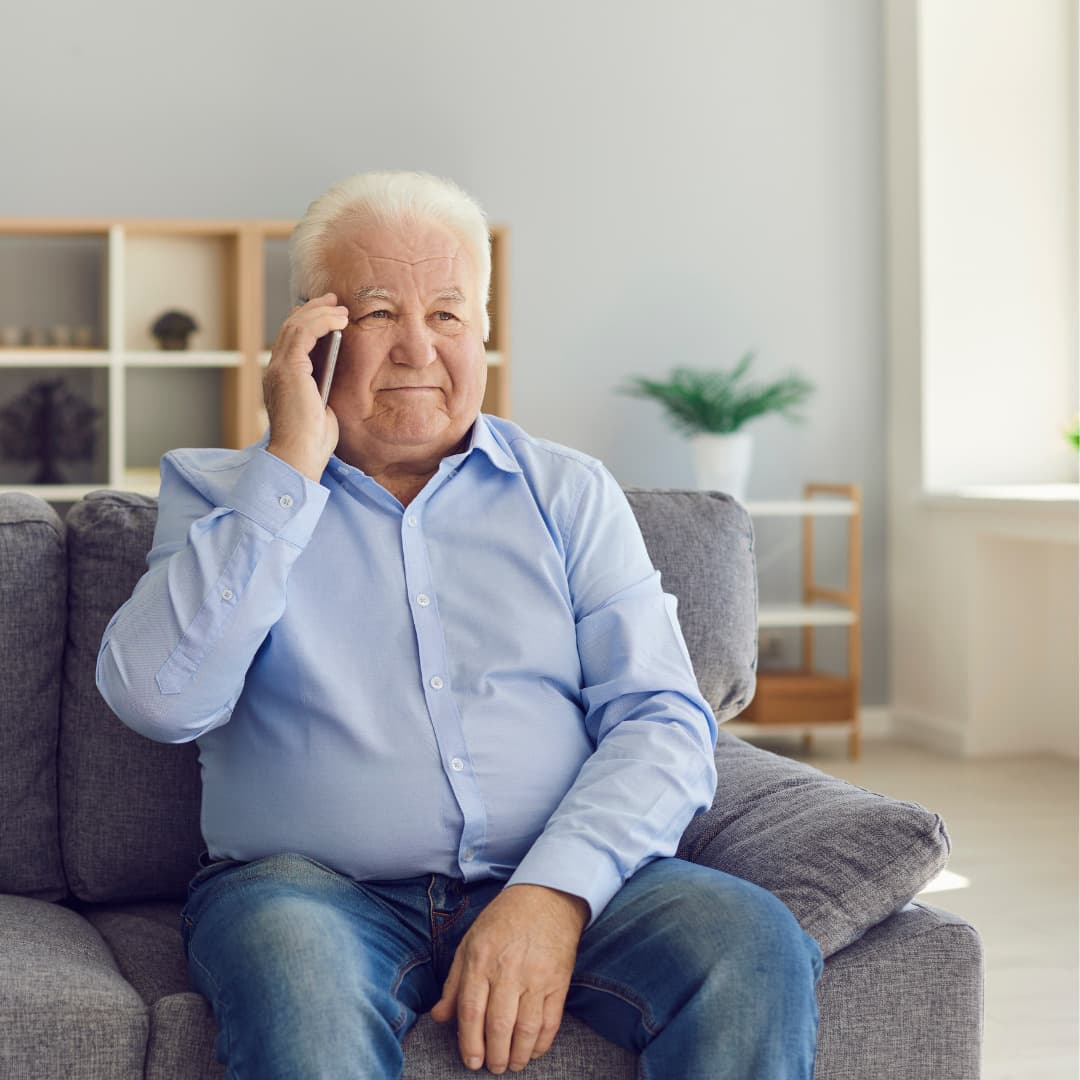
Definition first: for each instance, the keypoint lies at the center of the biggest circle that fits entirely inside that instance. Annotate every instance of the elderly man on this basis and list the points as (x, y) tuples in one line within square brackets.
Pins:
[(448, 728)]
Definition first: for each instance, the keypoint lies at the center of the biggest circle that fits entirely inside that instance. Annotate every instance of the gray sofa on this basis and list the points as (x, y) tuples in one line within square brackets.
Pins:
[(100, 834)]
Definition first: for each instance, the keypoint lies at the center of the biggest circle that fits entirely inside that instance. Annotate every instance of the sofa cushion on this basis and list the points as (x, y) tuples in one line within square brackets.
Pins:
[(145, 939), (33, 597), (65, 1009), (841, 857), (702, 542), (129, 807)]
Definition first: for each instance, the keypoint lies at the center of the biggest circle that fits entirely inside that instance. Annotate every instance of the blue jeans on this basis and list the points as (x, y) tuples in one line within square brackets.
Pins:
[(313, 974)]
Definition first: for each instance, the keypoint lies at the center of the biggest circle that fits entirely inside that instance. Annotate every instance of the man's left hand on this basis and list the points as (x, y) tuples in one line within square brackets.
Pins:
[(510, 976)]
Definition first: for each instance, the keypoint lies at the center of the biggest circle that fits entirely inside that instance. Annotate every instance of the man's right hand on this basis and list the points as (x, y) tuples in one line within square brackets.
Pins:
[(302, 432)]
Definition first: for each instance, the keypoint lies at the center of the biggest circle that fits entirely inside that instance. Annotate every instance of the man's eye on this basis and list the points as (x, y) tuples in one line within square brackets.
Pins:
[(381, 311), (448, 314)]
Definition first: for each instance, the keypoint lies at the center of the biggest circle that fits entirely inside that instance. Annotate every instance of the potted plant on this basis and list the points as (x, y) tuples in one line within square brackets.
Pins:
[(712, 407)]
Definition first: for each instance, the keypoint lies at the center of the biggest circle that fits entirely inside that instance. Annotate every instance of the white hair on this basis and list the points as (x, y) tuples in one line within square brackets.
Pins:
[(390, 199)]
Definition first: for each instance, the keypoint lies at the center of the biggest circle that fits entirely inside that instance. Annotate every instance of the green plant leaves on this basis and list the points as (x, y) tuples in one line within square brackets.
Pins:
[(714, 401)]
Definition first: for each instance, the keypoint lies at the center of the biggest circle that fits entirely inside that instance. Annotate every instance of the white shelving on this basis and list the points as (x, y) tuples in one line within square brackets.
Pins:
[(802, 507), (804, 701), (130, 272), (773, 616)]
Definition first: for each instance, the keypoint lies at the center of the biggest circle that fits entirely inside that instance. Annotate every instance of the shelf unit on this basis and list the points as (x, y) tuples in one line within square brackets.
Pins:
[(106, 281), (806, 701)]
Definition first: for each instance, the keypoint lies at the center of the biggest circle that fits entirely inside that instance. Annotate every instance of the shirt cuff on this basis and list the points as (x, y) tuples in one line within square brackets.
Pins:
[(573, 866), (279, 498)]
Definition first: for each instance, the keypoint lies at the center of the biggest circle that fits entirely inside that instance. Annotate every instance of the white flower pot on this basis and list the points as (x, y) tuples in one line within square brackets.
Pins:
[(722, 462)]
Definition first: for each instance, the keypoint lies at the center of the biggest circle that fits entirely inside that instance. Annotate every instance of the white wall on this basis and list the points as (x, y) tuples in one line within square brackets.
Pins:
[(683, 181)]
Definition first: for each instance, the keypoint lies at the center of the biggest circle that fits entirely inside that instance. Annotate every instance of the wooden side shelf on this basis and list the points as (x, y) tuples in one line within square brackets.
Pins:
[(806, 700)]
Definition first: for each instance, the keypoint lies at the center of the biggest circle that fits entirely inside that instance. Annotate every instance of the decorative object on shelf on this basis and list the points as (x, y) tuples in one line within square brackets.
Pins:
[(711, 407), (173, 328), (60, 336), (83, 337), (11, 336), (45, 423)]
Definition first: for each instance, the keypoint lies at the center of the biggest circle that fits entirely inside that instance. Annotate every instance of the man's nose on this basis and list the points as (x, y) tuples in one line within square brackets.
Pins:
[(413, 345)]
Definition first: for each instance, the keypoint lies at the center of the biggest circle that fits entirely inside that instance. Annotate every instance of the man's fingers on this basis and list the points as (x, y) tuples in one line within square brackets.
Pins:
[(552, 1019), (472, 1004), (502, 1016), (530, 1020)]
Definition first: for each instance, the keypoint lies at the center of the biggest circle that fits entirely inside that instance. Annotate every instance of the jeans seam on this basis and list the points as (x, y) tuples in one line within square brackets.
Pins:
[(619, 991), (219, 1000), (414, 961)]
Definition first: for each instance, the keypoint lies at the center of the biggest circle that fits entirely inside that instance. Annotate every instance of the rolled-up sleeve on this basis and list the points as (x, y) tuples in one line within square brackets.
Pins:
[(174, 657), (652, 769)]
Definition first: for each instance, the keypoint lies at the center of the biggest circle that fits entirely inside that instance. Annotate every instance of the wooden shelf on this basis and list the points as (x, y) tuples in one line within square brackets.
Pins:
[(55, 492), (748, 731), (805, 701), (47, 358), (801, 697), (118, 276), (182, 358)]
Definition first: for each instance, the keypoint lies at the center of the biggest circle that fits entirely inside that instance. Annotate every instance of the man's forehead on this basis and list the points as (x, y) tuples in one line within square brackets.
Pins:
[(413, 262)]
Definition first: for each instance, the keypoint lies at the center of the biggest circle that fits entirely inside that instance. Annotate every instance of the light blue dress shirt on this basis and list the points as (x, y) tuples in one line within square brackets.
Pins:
[(489, 682)]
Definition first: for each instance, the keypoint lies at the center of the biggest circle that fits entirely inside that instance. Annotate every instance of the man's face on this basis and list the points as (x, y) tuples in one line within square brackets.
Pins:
[(412, 369)]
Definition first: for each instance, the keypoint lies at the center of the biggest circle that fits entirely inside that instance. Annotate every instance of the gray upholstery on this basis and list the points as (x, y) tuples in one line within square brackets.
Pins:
[(96, 985), (32, 584), (65, 1009), (129, 807), (842, 858), (702, 542), (912, 981), (904, 1002)]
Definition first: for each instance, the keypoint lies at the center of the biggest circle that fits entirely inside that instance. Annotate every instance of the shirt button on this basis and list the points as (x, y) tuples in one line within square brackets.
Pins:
[(467, 855), (436, 682), (457, 764), (285, 502), (412, 520), (227, 594), (423, 599)]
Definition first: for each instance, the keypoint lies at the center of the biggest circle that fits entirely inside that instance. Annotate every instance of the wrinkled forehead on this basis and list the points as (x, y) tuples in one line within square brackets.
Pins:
[(425, 256)]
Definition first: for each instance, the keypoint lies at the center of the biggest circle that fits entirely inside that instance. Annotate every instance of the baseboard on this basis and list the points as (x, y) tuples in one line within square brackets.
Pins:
[(920, 730)]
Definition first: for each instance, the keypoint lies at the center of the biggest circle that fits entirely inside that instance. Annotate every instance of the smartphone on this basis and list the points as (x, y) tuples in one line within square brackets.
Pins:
[(324, 360)]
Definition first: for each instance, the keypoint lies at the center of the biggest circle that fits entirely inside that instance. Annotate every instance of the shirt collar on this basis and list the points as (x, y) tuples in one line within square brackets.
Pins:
[(486, 438)]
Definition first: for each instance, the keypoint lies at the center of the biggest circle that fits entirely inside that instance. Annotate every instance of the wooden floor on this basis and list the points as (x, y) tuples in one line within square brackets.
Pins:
[(1013, 824)]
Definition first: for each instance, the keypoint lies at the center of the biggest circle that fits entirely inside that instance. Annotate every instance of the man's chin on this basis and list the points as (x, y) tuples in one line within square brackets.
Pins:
[(408, 430)]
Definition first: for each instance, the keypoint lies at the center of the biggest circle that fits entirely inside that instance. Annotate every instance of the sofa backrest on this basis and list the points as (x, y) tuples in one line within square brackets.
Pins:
[(33, 585), (129, 808)]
